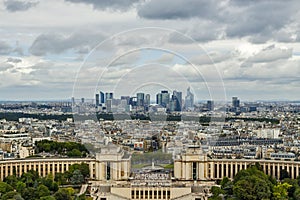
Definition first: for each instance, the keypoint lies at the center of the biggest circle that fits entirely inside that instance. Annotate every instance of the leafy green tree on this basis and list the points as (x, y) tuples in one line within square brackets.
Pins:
[(293, 183), (29, 193), (60, 178), (20, 186), (83, 167), (4, 188), (48, 198), (10, 195), (42, 191), (280, 191), (77, 177), (54, 187), (284, 174), (11, 180), (252, 183), (74, 153), (252, 187), (62, 194), (47, 181), (296, 194), (227, 186), (29, 178), (217, 193)]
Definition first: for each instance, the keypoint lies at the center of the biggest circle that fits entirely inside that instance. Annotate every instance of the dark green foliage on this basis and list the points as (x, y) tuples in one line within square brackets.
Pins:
[(11, 195), (29, 193), (253, 187), (14, 116), (71, 149), (217, 193), (61, 178), (31, 186), (294, 186), (4, 188), (30, 178), (251, 183), (63, 194), (83, 168), (74, 153), (11, 180), (296, 194), (48, 198), (77, 177), (284, 174), (42, 191), (20, 186)]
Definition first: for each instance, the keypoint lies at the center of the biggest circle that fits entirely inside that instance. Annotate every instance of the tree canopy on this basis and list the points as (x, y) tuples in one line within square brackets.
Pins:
[(254, 184)]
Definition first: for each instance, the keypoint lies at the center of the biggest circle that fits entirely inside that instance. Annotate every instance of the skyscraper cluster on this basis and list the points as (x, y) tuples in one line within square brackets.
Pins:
[(172, 102)]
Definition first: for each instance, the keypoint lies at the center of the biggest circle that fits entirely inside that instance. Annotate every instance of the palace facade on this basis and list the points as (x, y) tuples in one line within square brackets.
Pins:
[(112, 178)]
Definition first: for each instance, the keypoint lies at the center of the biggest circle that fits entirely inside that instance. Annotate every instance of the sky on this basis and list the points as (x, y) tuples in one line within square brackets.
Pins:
[(51, 50)]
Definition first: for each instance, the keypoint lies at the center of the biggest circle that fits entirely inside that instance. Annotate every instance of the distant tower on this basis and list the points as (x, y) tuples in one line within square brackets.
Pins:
[(147, 99), (82, 100), (159, 99), (210, 105), (140, 99), (189, 99), (177, 100), (235, 102), (109, 95), (73, 101), (102, 98), (97, 99), (165, 98)]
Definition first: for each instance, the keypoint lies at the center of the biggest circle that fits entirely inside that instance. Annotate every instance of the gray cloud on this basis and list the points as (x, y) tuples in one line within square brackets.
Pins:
[(198, 32), (210, 58), (177, 9), (58, 43), (271, 54), (14, 60), (6, 66), (5, 48), (261, 20), (16, 5), (119, 5)]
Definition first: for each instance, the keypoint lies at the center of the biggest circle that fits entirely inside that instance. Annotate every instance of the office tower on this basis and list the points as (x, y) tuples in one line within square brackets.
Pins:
[(109, 95), (177, 100), (140, 99), (109, 105), (127, 98), (102, 98), (165, 98), (210, 105), (147, 99), (235, 102), (172, 105), (133, 101), (159, 99), (73, 101), (97, 99), (189, 99), (82, 100)]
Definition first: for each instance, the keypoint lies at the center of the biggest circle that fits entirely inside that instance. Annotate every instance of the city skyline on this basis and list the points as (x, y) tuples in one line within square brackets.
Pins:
[(255, 53)]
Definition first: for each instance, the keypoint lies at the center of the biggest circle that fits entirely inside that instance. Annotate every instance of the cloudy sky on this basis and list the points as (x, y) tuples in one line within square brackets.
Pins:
[(62, 48)]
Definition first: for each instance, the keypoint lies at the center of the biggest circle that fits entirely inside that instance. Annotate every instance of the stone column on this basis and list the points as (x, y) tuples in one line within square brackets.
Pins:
[(218, 169)]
